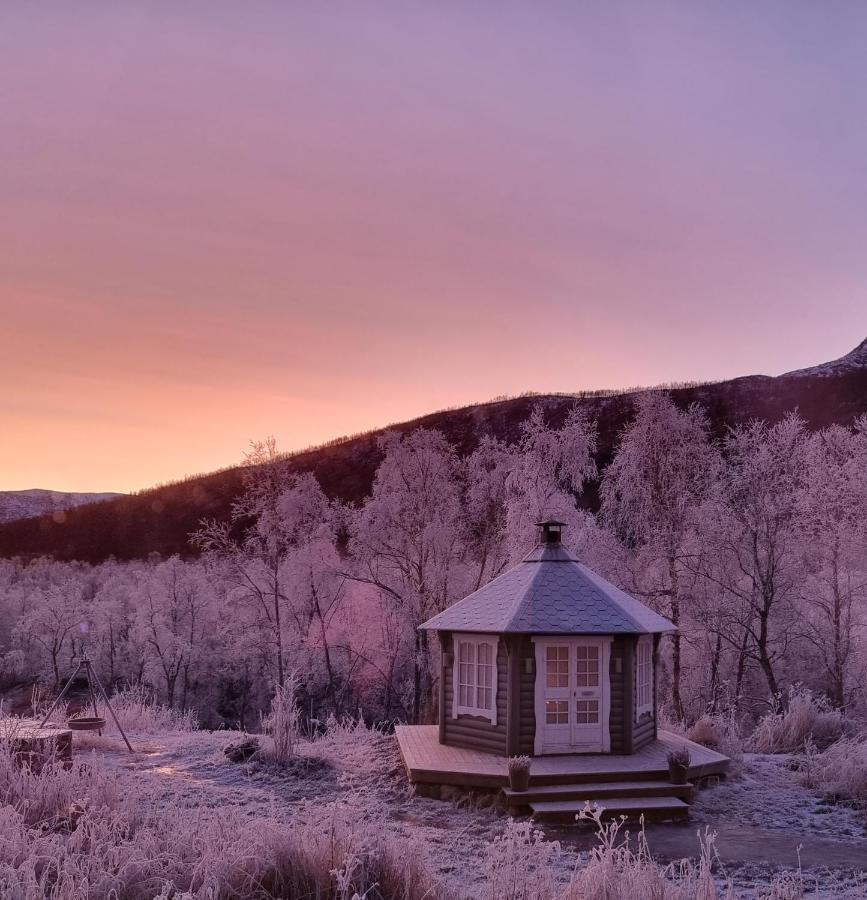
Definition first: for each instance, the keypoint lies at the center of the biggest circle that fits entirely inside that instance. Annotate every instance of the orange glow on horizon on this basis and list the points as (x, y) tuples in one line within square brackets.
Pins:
[(272, 220)]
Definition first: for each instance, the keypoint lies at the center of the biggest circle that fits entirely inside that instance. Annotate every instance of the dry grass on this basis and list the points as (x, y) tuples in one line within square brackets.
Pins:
[(839, 771), (807, 718), (520, 865), (283, 723), (138, 712)]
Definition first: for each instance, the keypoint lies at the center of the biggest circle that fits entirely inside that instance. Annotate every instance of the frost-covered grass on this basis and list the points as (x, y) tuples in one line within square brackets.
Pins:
[(178, 820), (839, 771), (520, 865), (138, 712), (283, 723), (807, 718)]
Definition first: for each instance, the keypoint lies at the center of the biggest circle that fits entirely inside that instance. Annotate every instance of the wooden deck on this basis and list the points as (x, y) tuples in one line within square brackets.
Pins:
[(429, 762)]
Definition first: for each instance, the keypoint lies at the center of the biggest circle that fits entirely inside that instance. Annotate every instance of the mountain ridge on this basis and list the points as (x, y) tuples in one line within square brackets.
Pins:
[(31, 502), (160, 520)]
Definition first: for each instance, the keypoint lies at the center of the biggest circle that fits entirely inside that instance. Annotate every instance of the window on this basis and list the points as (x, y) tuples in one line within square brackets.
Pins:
[(644, 676), (475, 677)]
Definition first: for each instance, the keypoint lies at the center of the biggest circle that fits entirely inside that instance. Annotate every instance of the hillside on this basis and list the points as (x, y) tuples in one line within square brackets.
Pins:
[(160, 520), (38, 502)]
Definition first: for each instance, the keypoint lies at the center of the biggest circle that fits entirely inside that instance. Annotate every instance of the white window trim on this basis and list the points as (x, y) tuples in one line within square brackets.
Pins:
[(642, 708), (477, 640)]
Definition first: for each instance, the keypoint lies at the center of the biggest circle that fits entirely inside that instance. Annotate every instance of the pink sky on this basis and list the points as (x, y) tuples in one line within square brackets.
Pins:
[(221, 221)]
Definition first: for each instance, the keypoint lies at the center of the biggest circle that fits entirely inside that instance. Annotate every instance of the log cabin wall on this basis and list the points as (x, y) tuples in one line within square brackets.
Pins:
[(473, 732), (617, 667), (527, 694)]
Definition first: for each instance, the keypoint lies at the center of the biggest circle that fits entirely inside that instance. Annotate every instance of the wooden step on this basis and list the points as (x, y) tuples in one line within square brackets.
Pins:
[(652, 808), (598, 791)]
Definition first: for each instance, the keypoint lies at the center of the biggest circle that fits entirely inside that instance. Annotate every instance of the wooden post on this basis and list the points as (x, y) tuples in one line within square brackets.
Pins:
[(655, 661), (445, 648), (513, 695), (630, 646)]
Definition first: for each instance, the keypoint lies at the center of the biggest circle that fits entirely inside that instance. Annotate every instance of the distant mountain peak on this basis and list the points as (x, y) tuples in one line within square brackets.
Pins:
[(853, 361), (39, 502)]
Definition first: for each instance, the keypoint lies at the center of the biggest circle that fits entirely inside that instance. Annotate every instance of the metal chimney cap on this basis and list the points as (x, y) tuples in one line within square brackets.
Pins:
[(551, 530)]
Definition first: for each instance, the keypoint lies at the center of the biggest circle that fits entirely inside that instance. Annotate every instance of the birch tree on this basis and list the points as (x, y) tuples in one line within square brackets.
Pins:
[(408, 539), (758, 540), (550, 470), (834, 593), (663, 472)]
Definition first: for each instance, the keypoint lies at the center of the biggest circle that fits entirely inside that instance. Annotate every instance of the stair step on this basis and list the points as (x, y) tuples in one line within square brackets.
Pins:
[(598, 791), (652, 808)]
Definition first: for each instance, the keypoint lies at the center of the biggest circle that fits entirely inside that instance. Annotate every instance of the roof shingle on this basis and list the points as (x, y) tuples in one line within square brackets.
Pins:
[(550, 592)]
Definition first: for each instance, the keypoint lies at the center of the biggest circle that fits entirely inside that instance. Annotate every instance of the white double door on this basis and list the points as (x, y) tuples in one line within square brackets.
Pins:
[(572, 695)]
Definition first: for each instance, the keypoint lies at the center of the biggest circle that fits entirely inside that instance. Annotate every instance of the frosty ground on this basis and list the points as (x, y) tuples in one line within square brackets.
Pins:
[(764, 819)]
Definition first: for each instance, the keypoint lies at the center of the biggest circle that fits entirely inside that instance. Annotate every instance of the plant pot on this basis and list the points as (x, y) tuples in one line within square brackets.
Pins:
[(677, 773), (519, 781)]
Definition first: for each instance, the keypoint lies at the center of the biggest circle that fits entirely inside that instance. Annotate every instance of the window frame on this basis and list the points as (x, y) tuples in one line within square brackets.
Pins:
[(475, 641), (644, 646)]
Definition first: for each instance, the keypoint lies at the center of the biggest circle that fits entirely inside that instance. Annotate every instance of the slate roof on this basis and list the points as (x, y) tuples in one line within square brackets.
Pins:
[(550, 592)]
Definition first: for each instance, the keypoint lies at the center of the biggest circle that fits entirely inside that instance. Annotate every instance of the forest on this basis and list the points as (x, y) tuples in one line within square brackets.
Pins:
[(753, 544)]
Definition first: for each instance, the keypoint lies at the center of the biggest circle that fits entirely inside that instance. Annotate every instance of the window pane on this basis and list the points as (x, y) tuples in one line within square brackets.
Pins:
[(587, 666), (557, 667), (557, 712), (587, 712)]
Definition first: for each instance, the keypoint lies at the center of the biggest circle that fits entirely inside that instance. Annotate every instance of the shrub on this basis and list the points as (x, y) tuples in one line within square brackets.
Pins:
[(242, 750), (719, 732), (840, 770), (806, 717)]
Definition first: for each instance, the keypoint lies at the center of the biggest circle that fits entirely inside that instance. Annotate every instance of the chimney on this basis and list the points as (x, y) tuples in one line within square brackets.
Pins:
[(549, 532)]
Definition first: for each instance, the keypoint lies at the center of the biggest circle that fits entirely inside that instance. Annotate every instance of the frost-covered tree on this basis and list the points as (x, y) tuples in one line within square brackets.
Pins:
[(255, 562), (550, 470), (409, 539), (51, 621), (652, 493), (834, 593), (756, 534), (485, 477), (315, 582), (173, 619)]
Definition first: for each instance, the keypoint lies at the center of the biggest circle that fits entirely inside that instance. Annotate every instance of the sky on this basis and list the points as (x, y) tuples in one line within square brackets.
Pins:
[(220, 221)]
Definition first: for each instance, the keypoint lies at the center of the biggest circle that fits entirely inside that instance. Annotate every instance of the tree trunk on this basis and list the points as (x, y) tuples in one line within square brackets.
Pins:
[(838, 684), (676, 699), (277, 625), (714, 673)]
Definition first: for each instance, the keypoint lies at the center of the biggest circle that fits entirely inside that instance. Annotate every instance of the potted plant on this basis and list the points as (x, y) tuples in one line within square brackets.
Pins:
[(519, 773), (678, 765)]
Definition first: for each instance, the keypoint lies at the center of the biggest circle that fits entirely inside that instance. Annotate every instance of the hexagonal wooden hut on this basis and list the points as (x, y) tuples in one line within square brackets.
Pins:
[(548, 658)]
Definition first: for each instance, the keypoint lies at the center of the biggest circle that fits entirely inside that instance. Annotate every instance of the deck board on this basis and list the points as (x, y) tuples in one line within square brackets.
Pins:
[(429, 762)]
